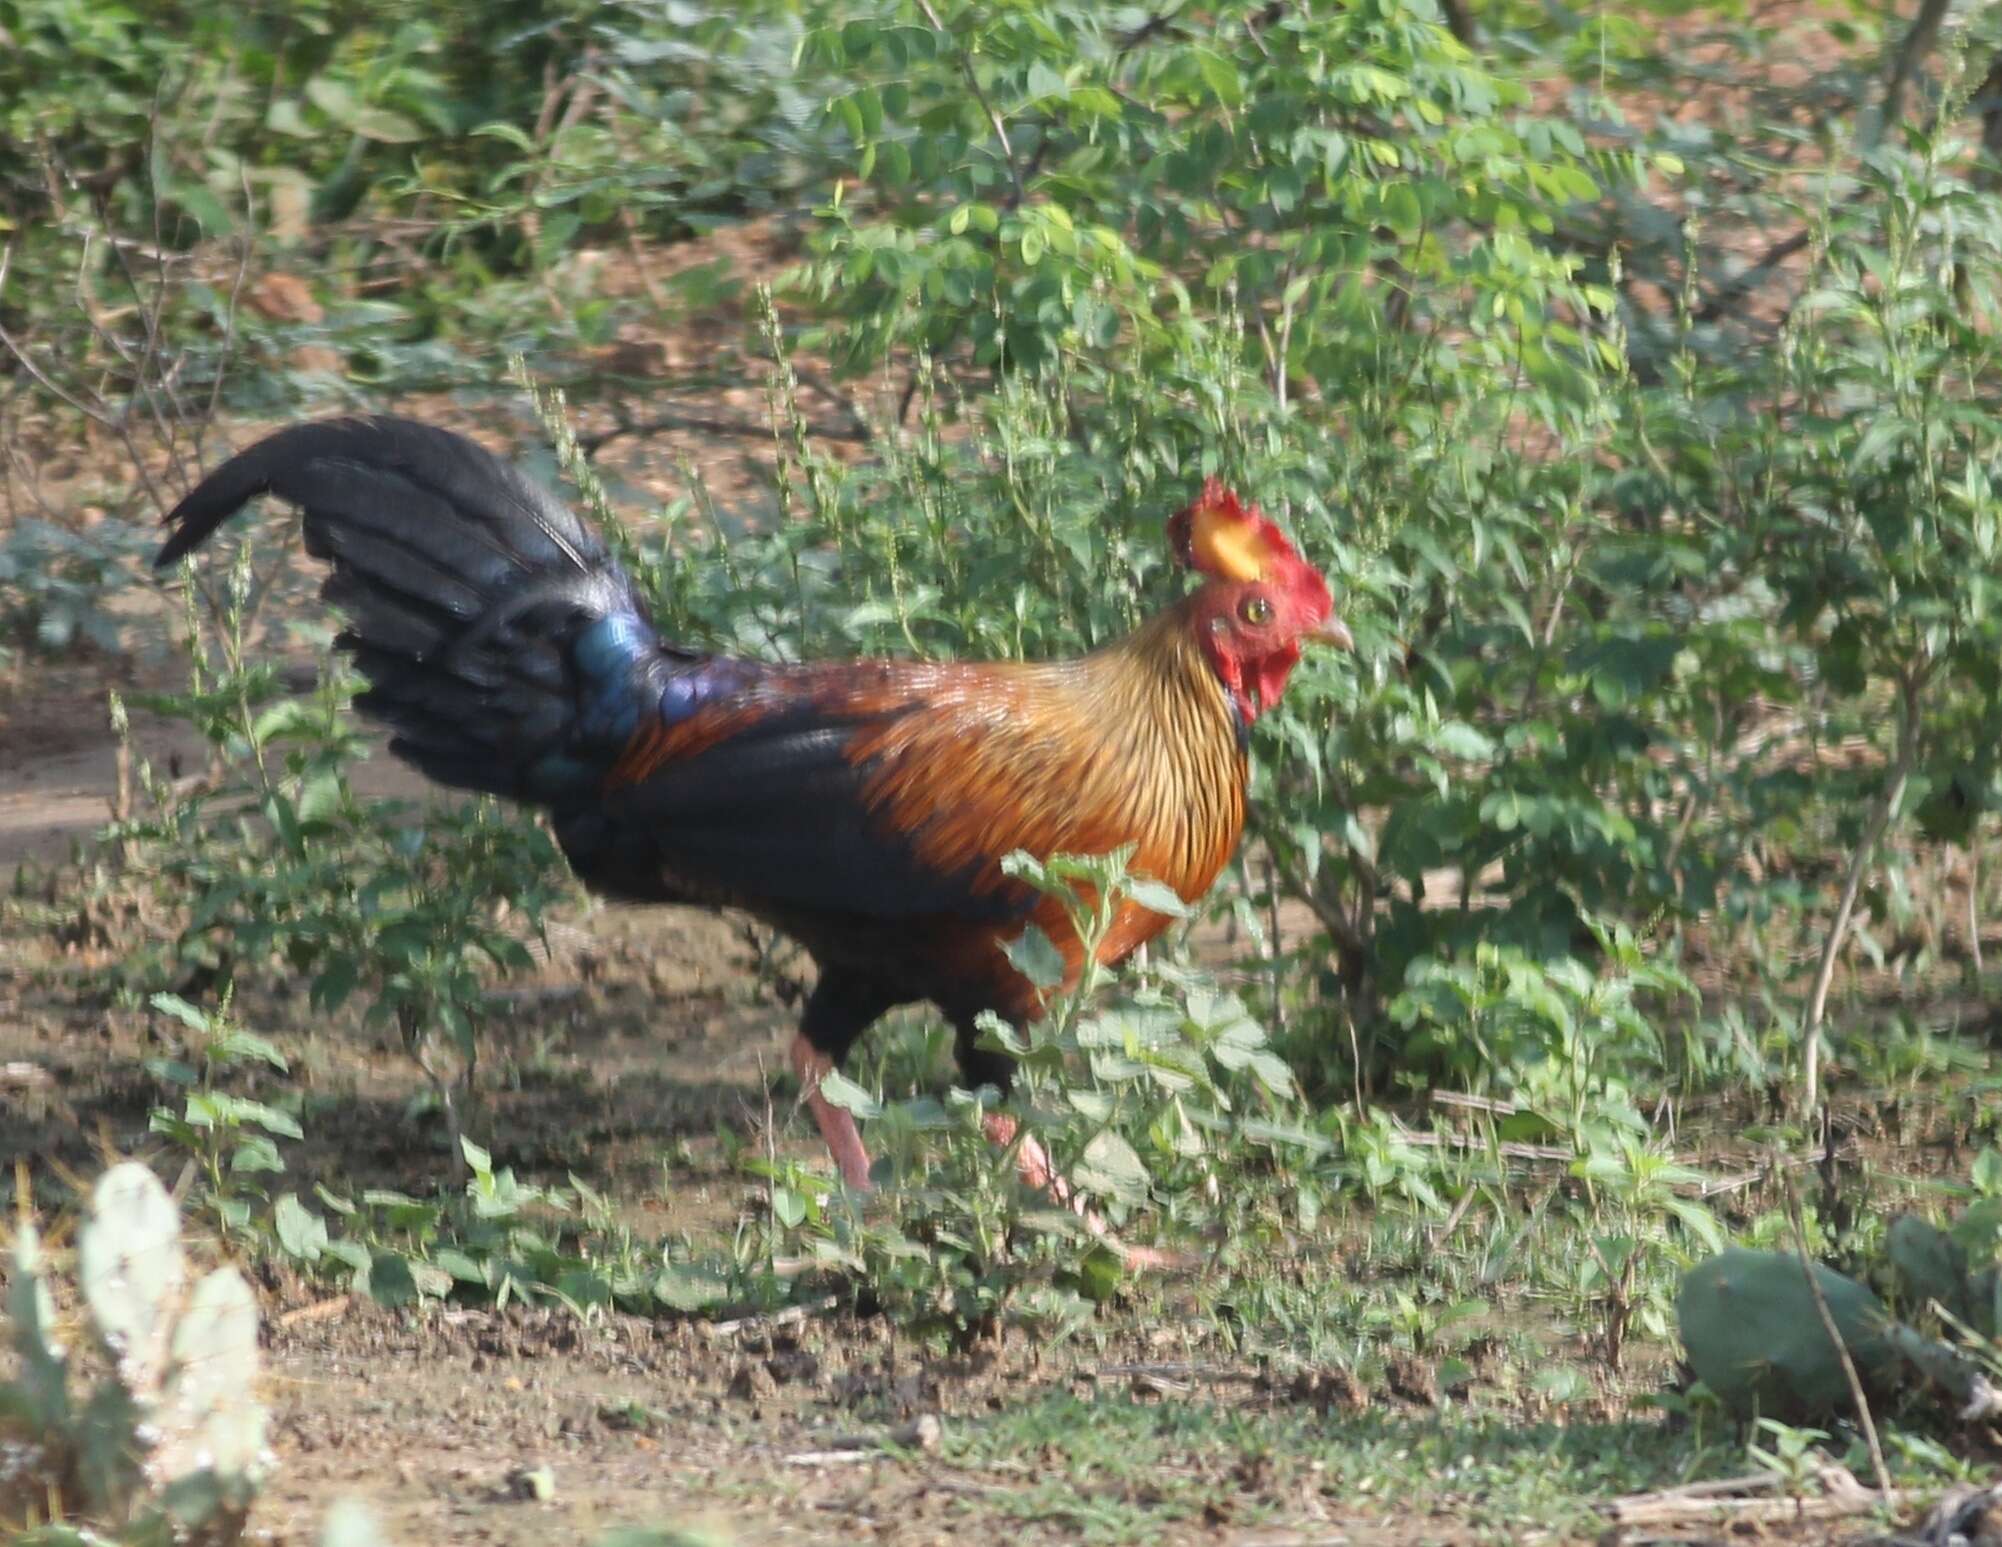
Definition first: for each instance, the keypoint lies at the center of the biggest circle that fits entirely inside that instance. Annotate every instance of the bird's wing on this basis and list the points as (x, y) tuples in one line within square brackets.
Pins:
[(876, 790)]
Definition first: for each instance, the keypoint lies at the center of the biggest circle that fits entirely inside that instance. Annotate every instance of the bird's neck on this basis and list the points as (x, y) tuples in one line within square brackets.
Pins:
[(1162, 665)]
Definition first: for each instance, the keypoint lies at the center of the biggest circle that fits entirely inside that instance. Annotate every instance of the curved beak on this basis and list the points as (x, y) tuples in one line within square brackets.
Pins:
[(1332, 632)]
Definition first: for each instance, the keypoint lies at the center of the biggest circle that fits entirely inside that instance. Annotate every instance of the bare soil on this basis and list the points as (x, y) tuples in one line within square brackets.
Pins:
[(773, 1435)]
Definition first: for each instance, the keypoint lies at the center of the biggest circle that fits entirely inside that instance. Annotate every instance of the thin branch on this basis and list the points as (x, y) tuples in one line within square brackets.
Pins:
[(1987, 102), (1152, 27), (1869, 1425), (1460, 22), (1974, 901), (1745, 281), (1918, 39), (704, 424), (1911, 687), (1918, 42), (980, 96), (229, 319)]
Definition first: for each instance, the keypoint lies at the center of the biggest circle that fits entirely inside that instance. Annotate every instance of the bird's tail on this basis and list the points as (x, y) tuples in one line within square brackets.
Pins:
[(502, 644)]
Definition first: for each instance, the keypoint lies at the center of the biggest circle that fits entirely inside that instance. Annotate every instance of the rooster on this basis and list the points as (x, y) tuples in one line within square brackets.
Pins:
[(861, 807)]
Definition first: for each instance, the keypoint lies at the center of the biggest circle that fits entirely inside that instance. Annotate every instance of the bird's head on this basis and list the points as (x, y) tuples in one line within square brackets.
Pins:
[(1259, 599)]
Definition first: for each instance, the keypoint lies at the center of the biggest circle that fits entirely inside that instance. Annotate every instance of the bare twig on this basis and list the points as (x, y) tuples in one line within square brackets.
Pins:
[(322, 1310), (1987, 102), (20, 1075), (705, 424), (925, 1433), (1722, 1502), (1487, 1105), (1869, 1425), (1460, 22), (783, 1318), (1152, 27), (1918, 39), (1974, 901), (228, 350), (980, 96), (1221, 1373), (1445, 1231), (1911, 689), (1917, 43), (1508, 1148)]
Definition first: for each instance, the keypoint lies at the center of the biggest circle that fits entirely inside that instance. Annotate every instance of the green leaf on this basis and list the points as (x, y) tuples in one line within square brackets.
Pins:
[(1111, 1168), (684, 1288), (1100, 1274), (843, 1092), (301, 1233), (371, 123), (1033, 955), (255, 1153), (1156, 898), (1456, 739), (182, 1011), (335, 982)]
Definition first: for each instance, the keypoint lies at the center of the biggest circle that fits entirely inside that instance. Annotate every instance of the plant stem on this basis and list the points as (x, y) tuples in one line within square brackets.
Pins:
[(1911, 686), (1974, 901), (1863, 1418)]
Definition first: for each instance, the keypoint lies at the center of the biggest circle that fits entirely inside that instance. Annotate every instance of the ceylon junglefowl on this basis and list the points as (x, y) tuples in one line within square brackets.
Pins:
[(862, 807)]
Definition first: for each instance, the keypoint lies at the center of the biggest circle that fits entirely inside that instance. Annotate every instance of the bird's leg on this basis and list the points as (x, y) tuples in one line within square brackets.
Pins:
[(1038, 1172), (838, 1010), (1033, 1164), (837, 1124)]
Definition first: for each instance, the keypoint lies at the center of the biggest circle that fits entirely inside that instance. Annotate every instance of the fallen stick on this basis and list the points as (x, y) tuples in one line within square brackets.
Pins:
[(1709, 1503), (323, 1310), (925, 1432), (1211, 1372), (784, 1318)]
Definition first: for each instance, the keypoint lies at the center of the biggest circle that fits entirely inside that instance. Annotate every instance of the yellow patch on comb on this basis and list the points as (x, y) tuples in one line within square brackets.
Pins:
[(1219, 536), (1227, 546)]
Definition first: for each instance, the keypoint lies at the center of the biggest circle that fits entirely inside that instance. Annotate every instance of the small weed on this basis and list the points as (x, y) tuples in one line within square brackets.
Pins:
[(231, 1138)]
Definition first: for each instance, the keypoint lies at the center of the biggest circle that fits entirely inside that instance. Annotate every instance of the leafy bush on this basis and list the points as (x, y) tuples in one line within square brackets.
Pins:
[(55, 584), (275, 862), (231, 1137)]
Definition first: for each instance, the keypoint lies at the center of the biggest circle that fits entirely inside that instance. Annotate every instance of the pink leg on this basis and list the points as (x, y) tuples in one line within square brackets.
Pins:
[(837, 1124), (1032, 1164), (1032, 1161)]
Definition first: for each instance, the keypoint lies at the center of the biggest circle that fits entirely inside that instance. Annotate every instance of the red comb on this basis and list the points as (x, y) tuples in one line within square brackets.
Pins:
[(1222, 537)]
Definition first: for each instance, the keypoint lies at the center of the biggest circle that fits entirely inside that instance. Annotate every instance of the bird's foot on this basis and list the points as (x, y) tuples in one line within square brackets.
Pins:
[(1038, 1172), (1032, 1161)]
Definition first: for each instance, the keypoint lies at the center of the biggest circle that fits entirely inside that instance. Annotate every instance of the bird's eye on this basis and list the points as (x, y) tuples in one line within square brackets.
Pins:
[(1255, 610)]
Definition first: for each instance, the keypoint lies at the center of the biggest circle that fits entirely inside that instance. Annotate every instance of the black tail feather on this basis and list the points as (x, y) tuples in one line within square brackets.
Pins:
[(464, 584)]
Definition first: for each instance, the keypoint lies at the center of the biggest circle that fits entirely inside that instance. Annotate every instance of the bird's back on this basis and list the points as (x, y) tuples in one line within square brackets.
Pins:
[(865, 807)]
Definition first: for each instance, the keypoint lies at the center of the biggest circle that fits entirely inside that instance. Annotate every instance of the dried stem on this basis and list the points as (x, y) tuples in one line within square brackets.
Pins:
[(1863, 1418), (1911, 689)]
